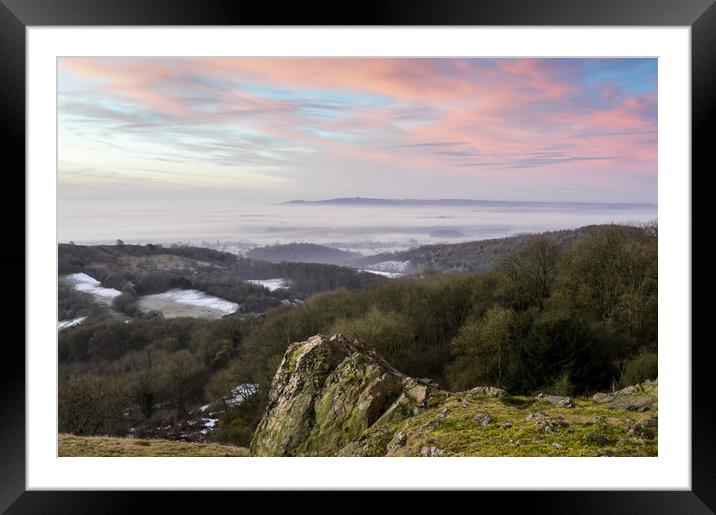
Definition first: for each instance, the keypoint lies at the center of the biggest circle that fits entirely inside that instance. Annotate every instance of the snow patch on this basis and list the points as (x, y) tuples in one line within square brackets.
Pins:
[(271, 284), (64, 324), (87, 284), (209, 424), (391, 266), (391, 269), (391, 275)]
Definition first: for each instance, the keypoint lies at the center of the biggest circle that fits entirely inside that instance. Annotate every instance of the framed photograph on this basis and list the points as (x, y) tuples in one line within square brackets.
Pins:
[(425, 247)]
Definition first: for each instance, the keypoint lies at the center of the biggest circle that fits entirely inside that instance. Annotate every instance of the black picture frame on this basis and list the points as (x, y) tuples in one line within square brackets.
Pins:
[(700, 15)]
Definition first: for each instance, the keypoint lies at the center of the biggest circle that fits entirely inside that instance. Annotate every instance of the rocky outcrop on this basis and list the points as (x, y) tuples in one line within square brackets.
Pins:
[(327, 392), (337, 397)]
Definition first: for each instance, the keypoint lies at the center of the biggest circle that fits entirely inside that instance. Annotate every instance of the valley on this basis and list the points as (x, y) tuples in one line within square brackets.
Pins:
[(185, 343)]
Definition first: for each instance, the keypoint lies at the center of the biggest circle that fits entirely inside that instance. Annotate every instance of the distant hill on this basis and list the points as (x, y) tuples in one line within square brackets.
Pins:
[(476, 256), (302, 253), (467, 257), (388, 202)]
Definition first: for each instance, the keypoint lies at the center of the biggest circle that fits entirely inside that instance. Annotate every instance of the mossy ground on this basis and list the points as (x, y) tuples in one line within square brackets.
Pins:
[(448, 427), (71, 445)]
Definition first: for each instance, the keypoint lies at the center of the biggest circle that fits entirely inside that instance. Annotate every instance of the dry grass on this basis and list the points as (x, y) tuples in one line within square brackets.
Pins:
[(71, 445)]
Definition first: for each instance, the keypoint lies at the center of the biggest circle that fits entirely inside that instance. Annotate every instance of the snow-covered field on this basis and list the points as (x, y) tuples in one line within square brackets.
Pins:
[(391, 266), (392, 269), (173, 303), (271, 284), (391, 275), (64, 324), (85, 283), (187, 303)]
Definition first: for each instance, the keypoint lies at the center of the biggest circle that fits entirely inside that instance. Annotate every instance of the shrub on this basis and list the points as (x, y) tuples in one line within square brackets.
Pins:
[(391, 334), (235, 432), (182, 377), (89, 405), (126, 302), (555, 346), (562, 386), (482, 349), (639, 369)]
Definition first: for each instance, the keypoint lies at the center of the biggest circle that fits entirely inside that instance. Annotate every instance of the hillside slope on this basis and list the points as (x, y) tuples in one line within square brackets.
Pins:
[(302, 253), (156, 269), (482, 255), (337, 396)]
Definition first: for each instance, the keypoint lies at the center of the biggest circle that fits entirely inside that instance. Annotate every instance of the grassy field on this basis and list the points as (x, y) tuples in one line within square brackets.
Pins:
[(70, 445)]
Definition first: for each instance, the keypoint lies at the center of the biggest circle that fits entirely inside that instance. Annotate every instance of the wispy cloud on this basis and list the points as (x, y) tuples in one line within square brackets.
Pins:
[(326, 123)]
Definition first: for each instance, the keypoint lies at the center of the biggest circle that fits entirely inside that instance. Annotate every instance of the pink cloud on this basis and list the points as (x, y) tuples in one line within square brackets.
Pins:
[(508, 114)]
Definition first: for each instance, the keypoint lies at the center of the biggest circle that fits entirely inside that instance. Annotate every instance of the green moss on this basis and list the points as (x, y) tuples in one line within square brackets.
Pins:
[(585, 430), (292, 355), (518, 401)]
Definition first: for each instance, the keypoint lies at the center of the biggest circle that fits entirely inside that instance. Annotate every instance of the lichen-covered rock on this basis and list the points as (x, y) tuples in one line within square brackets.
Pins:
[(547, 423), (644, 428), (483, 418), (641, 397), (397, 442), (556, 400), (601, 397), (327, 392), (488, 391), (431, 451)]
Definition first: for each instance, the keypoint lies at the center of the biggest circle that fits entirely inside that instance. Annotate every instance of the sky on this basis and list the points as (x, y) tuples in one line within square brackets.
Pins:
[(278, 129)]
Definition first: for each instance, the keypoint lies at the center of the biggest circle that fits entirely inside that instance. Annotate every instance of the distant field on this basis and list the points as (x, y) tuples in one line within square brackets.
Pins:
[(70, 445), (187, 303)]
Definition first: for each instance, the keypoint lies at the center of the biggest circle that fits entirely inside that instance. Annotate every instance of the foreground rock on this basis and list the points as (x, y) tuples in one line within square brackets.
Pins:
[(327, 392), (337, 397)]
